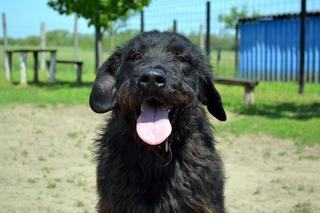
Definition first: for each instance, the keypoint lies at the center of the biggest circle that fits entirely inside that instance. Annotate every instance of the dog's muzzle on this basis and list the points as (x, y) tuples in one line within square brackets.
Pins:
[(153, 124), (152, 79)]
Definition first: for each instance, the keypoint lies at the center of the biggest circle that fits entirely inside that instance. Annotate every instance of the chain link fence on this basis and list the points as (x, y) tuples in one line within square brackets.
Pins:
[(222, 29)]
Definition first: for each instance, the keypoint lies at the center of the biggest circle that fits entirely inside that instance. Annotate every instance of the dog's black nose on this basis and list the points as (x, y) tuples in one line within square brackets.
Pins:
[(152, 78)]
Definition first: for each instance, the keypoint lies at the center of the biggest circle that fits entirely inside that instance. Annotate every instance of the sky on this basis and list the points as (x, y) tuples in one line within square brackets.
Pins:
[(25, 16)]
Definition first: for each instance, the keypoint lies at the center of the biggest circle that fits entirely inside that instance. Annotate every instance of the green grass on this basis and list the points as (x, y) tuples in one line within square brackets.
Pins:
[(65, 91), (226, 66), (279, 110), (304, 207)]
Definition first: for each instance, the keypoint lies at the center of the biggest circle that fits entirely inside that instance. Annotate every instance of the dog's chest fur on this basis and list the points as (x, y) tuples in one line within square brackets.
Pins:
[(134, 178)]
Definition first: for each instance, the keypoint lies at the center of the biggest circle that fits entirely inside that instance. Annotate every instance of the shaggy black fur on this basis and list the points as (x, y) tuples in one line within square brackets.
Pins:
[(135, 177)]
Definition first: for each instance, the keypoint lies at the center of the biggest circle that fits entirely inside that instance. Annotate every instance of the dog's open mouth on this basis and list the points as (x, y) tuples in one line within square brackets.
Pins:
[(153, 124)]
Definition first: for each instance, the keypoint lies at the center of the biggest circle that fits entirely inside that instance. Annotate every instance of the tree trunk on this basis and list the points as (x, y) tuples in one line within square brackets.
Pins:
[(98, 48)]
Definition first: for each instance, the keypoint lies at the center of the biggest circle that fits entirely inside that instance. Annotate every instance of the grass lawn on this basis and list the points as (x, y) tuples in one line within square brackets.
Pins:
[(226, 66), (279, 110)]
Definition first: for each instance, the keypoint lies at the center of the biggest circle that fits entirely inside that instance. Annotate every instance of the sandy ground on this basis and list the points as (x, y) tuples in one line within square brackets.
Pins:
[(46, 165)]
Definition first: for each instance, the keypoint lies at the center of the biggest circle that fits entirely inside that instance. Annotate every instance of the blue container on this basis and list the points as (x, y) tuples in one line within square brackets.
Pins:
[(270, 49)]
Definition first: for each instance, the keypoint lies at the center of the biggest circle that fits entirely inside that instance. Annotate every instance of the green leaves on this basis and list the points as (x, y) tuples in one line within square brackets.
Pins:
[(233, 17), (99, 13)]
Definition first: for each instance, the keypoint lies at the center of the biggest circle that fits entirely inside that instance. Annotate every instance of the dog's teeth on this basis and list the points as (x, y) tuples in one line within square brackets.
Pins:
[(142, 107)]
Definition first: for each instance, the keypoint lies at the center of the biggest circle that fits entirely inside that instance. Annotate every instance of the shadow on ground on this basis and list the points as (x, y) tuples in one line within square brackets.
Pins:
[(58, 84), (283, 110)]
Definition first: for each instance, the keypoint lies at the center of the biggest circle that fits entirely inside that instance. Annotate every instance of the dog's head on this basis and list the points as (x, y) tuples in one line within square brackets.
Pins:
[(154, 76)]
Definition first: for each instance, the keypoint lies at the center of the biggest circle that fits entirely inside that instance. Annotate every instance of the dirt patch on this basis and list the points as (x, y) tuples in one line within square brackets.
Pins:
[(264, 174), (46, 165)]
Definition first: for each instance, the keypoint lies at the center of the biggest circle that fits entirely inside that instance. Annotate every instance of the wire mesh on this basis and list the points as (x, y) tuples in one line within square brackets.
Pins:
[(225, 43)]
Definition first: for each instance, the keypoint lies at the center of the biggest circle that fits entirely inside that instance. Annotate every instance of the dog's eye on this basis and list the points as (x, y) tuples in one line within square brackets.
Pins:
[(182, 58), (136, 57)]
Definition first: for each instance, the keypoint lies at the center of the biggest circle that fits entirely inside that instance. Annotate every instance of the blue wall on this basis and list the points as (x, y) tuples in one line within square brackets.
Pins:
[(269, 49)]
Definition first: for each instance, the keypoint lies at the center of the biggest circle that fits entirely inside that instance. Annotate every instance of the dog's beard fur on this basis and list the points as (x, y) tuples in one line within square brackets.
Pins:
[(183, 183)]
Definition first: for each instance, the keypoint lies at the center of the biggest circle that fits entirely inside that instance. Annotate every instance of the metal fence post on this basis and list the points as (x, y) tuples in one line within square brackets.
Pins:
[(208, 28), (302, 45), (141, 21), (236, 56), (175, 25)]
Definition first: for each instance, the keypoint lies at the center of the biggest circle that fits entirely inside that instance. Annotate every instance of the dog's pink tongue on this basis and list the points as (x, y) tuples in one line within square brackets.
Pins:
[(153, 125)]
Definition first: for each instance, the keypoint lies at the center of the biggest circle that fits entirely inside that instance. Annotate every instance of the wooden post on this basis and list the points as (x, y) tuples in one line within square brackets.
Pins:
[(43, 46), (249, 95), (10, 61), (7, 65), (201, 37), (23, 69), (35, 66), (79, 72), (75, 38), (52, 67), (4, 30), (7, 56), (302, 45)]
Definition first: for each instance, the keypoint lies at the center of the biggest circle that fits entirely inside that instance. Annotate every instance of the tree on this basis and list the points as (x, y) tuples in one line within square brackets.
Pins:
[(231, 20), (100, 14)]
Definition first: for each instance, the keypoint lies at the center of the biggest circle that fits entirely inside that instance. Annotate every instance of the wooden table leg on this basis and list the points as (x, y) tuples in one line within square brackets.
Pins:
[(52, 68), (23, 69), (36, 67), (7, 65), (249, 96), (10, 62), (79, 73)]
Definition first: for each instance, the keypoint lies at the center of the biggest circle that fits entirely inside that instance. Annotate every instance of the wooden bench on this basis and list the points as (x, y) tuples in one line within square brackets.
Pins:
[(247, 84), (76, 62)]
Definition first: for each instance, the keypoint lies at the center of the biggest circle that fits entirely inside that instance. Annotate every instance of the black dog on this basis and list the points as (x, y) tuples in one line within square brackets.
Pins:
[(157, 152)]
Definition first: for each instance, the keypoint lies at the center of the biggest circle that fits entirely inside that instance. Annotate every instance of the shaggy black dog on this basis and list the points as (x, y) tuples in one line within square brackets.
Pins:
[(157, 152)]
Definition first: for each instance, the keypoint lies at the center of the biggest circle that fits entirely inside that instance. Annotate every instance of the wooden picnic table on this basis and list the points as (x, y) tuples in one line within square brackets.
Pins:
[(23, 68)]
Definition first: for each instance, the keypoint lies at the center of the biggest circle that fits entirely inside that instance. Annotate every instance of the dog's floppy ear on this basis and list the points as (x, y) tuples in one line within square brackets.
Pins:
[(210, 97), (103, 93)]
